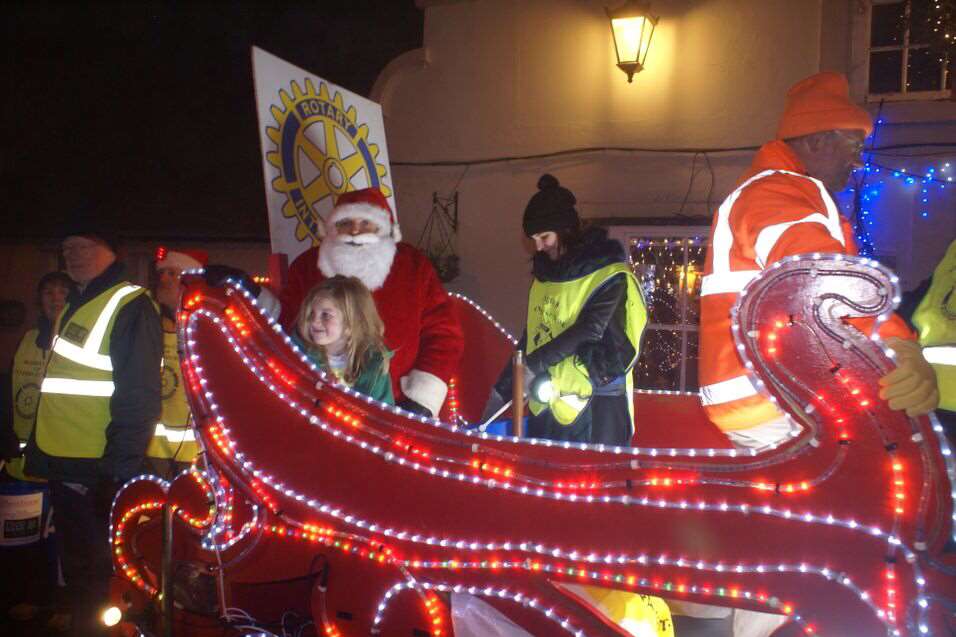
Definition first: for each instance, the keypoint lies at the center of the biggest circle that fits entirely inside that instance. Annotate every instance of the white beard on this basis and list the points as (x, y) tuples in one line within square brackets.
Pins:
[(367, 257)]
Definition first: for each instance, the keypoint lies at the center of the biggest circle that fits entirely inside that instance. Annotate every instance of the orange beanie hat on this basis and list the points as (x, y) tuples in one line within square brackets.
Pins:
[(821, 102)]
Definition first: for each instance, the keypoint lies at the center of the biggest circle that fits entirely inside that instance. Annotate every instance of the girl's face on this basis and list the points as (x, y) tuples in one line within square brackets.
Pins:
[(326, 327), (53, 299)]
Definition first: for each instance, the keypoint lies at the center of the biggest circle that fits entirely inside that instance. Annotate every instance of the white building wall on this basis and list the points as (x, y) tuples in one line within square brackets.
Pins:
[(504, 78), (510, 78)]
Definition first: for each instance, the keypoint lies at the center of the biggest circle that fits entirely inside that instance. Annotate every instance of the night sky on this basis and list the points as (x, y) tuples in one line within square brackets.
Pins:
[(146, 112)]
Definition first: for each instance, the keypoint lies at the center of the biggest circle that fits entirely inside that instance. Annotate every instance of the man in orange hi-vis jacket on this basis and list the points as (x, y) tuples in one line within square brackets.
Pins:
[(784, 206)]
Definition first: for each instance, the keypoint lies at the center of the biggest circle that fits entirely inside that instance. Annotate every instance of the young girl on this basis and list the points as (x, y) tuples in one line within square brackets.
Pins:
[(339, 329)]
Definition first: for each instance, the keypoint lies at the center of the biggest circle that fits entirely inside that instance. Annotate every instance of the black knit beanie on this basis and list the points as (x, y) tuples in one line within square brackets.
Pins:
[(550, 209), (85, 220)]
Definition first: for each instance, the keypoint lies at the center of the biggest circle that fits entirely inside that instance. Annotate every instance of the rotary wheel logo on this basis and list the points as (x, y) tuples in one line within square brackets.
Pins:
[(321, 152), (170, 382), (26, 400)]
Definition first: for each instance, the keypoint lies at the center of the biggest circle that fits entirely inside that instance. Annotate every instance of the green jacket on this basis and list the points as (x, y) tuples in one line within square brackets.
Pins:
[(374, 380)]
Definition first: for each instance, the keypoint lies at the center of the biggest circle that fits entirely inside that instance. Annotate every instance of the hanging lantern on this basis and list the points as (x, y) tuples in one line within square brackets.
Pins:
[(632, 27)]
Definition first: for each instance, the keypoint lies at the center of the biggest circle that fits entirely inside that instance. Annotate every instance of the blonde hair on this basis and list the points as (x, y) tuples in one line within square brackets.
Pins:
[(361, 323)]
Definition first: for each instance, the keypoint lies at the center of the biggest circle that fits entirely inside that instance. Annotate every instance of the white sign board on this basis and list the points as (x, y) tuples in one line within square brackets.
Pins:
[(318, 141)]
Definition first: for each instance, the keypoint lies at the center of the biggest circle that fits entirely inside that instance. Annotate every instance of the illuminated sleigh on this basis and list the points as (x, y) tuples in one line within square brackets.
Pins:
[(318, 503)]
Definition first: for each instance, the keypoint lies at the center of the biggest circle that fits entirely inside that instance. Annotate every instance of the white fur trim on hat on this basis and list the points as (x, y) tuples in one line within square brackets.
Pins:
[(379, 216), (425, 389), (178, 261)]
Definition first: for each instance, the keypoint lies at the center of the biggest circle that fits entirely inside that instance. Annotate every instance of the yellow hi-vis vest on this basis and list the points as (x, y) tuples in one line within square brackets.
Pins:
[(27, 373), (935, 318), (75, 393), (174, 437), (553, 307), (637, 614)]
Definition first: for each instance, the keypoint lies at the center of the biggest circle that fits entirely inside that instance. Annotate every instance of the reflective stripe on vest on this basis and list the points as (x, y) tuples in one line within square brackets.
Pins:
[(89, 354), (175, 434), (727, 390), (769, 236), (170, 442), (727, 282), (173, 438), (77, 389), (724, 280), (940, 355)]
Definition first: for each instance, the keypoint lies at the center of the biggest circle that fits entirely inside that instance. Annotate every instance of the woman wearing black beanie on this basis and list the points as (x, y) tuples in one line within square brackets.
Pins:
[(582, 336)]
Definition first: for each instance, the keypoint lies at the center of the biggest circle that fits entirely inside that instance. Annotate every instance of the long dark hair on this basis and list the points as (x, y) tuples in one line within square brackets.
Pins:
[(571, 237)]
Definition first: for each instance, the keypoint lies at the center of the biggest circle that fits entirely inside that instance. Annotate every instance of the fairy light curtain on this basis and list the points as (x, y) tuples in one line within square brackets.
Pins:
[(669, 268)]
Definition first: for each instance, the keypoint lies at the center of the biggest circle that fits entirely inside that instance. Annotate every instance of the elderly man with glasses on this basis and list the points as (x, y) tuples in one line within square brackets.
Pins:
[(784, 206), (99, 402)]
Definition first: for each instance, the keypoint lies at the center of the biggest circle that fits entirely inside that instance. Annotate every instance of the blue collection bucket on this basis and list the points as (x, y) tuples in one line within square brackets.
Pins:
[(23, 510)]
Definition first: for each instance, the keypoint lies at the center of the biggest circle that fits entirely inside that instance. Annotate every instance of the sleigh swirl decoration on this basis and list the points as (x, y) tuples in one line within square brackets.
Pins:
[(314, 498)]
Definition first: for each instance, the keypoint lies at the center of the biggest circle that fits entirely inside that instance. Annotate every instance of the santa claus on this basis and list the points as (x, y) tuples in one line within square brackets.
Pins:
[(363, 240)]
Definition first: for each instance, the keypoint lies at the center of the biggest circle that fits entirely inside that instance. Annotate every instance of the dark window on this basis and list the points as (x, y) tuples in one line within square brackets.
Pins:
[(905, 59), (888, 24), (670, 267)]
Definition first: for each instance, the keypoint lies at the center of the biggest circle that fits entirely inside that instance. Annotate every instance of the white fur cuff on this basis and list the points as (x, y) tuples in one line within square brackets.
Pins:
[(425, 389), (269, 303)]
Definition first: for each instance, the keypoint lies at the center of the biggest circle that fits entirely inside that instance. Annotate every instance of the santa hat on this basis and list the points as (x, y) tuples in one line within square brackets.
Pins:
[(369, 204), (819, 103), (180, 259)]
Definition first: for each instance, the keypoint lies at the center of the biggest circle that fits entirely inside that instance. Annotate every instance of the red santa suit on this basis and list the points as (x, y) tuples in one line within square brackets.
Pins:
[(421, 328)]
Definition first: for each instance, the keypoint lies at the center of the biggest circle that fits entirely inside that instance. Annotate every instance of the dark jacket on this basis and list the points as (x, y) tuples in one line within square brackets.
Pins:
[(598, 337), (373, 381), (136, 351), (9, 444)]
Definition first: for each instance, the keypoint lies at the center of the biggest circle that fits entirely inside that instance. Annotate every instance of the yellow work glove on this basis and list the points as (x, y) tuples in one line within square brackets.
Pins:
[(912, 385)]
